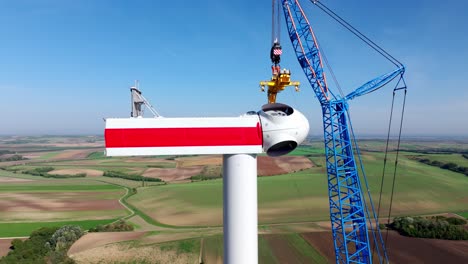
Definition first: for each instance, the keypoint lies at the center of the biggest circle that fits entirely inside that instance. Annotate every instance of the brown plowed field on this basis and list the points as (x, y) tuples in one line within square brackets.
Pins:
[(5, 246), (74, 154), (177, 174), (55, 201), (191, 166), (268, 166), (94, 240), (199, 161), (8, 180), (402, 249), (88, 172), (284, 251)]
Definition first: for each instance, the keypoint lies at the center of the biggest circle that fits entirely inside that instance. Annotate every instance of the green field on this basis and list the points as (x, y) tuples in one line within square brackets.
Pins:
[(192, 211), (97, 155), (24, 229), (29, 202), (464, 214), (49, 155), (307, 150), (302, 196)]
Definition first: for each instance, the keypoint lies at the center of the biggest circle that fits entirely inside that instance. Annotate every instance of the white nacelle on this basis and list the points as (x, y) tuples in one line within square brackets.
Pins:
[(284, 128)]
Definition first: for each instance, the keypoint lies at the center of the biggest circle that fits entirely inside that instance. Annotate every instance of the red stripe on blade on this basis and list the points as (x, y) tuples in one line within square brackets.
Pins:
[(180, 137)]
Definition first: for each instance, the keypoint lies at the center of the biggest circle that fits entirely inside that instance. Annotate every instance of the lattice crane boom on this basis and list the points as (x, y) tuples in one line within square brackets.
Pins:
[(349, 212)]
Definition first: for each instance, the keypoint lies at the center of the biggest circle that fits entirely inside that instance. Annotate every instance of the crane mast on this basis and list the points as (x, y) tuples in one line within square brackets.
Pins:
[(349, 212)]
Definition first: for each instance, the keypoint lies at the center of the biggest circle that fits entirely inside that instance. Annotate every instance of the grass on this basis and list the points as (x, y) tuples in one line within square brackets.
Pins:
[(25, 229), (302, 196), (183, 246), (142, 214), (49, 155), (96, 155), (463, 214), (420, 188), (265, 253), (295, 197), (307, 150)]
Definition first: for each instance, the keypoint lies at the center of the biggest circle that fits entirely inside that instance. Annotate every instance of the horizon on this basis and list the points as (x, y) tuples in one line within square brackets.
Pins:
[(409, 137)]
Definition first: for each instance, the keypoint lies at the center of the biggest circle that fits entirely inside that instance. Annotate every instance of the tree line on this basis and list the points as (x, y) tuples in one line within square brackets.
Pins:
[(132, 177), (443, 165), (439, 227), (44, 172), (12, 158)]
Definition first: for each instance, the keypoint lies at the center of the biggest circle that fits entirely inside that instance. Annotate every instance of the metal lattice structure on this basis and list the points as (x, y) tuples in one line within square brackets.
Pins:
[(348, 210)]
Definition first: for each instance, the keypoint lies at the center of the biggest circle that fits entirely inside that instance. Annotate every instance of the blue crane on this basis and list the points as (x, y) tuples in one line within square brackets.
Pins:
[(349, 213)]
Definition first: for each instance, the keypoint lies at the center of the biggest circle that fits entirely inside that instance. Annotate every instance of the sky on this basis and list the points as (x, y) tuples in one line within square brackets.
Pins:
[(67, 64)]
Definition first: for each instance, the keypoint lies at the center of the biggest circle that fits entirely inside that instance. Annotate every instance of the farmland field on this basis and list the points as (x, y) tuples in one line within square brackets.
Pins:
[(301, 196), (29, 202), (25, 228), (181, 218)]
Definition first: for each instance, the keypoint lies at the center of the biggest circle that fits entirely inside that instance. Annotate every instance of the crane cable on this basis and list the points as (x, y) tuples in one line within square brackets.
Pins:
[(404, 87), (397, 154), (275, 21), (330, 69), (357, 33)]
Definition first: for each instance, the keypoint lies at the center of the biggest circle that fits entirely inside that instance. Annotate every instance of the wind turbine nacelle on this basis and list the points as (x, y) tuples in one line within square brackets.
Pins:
[(277, 129), (283, 128)]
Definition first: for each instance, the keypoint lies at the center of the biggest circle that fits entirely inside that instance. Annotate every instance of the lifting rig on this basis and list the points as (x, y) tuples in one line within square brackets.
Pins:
[(350, 213), (280, 79)]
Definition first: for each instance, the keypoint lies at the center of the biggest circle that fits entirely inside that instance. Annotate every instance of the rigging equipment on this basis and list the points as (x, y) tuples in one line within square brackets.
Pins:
[(280, 79)]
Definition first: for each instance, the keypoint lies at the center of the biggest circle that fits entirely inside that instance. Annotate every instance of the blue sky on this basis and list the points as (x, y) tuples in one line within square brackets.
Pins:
[(66, 64)]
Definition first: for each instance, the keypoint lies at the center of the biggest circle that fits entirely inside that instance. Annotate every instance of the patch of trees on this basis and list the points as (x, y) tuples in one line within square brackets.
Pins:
[(119, 226), (12, 158), (44, 172), (465, 156), (447, 166), (132, 177), (434, 227), (204, 177), (45, 245)]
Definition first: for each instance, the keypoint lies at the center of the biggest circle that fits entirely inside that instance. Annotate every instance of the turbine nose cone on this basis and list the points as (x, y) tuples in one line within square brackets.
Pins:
[(284, 128)]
